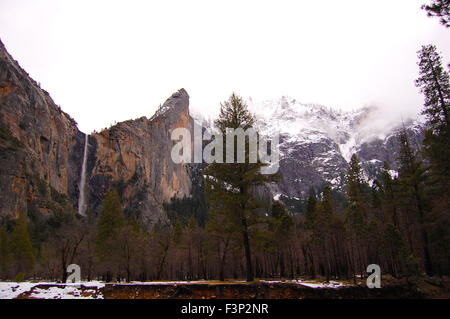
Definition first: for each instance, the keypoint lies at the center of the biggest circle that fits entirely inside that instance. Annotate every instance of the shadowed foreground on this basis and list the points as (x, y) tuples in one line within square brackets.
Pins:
[(393, 289)]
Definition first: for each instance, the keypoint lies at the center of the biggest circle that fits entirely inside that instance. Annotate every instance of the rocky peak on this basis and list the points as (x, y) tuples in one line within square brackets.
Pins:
[(178, 103), (134, 157)]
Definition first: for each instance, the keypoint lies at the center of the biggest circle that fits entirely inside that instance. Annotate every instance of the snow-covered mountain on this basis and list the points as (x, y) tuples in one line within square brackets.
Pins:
[(316, 142)]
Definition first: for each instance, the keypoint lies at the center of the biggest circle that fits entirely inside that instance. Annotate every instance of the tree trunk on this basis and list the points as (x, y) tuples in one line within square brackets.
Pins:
[(282, 265), (426, 251), (248, 256)]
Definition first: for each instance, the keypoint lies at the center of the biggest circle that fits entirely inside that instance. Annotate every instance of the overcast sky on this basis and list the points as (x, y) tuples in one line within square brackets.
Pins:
[(106, 61)]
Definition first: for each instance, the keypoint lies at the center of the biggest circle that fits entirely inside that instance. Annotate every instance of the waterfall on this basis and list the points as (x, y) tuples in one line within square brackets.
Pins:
[(81, 198)]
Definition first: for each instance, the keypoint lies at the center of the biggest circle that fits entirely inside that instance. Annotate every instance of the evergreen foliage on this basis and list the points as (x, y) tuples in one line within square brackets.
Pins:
[(439, 8), (231, 186), (20, 246)]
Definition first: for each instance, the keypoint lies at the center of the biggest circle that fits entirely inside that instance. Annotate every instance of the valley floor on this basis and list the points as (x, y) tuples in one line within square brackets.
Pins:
[(261, 289)]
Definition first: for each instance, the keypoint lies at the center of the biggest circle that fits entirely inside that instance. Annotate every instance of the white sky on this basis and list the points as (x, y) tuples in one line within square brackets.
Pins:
[(106, 61)]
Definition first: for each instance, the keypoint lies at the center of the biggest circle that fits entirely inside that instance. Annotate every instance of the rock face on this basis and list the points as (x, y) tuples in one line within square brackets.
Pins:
[(40, 146), (134, 157), (42, 154)]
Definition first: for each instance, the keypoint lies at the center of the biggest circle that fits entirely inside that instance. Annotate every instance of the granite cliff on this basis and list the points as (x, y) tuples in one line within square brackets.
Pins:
[(40, 146), (41, 154), (134, 157)]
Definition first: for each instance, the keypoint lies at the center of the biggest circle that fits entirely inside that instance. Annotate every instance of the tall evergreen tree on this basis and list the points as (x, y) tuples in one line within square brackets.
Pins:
[(389, 196), (322, 230), (435, 85), (412, 178), (232, 185), (355, 191), (355, 217), (310, 214)]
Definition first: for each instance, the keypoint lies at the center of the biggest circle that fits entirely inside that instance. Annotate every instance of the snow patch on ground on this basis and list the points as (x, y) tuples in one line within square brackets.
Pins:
[(331, 284), (169, 283), (64, 292), (90, 290), (12, 290), (311, 284)]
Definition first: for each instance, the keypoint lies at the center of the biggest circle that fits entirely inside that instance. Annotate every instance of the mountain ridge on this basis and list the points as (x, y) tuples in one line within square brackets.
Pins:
[(317, 142), (42, 151)]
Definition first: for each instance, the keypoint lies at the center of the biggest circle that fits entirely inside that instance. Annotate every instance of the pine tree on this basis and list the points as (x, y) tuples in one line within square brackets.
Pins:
[(390, 239), (282, 224), (310, 215), (231, 185), (310, 223), (441, 9), (435, 85), (355, 190), (20, 244), (322, 230), (322, 218), (389, 194), (111, 217), (355, 217), (393, 248), (412, 179), (327, 202)]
